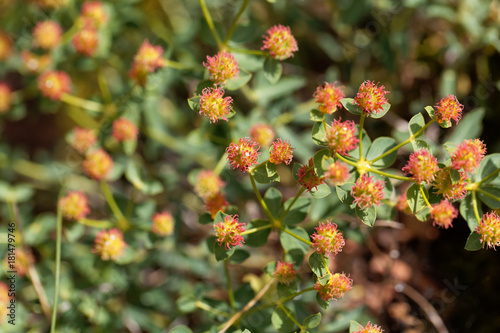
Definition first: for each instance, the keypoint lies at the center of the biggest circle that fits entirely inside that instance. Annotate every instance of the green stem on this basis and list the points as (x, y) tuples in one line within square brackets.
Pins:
[(494, 197), (421, 188), (111, 201), (474, 205), (325, 264), (82, 103), (491, 175), (229, 288), (382, 173), (343, 159), (210, 23), (290, 316), (58, 267), (361, 124), (95, 223), (251, 231), (221, 164), (103, 85), (296, 236), (130, 205), (235, 21), (245, 51), (206, 307), (410, 139), (292, 203), (175, 64), (261, 201), (280, 301)]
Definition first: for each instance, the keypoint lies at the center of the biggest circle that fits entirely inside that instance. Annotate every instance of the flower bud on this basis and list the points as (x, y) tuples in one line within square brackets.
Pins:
[(97, 164), (443, 214), (147, 60), (371, 97), (83, 139), (74, 206), (308, 177), (280, 152), (262, 134), (367, 192), (335, 288), (243, 155), (214, 105), (94, 13), (47, 35), (163, 224), (285, 273), (215, 203), (448, 108), (329, 96), (54, 84), (328, 239), (124, 130), (280, 42), (208, 184), (229, 232), (337, 173), (109, 244), (86, 41), (222, 67)]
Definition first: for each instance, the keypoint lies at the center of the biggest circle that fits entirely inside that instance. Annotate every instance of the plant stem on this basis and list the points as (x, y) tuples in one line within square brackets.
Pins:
[(280, 301), (175, 64), (474, 205), (292, 203), (343, 159), (82, 103), (130, 205), (221, 164), (210, 23), (488, 177), (235, 21), (361, 124), (229, 288), (290, 316), (296, 236), (58, 267), (262, 202), (421, 188), (245, 51), (95, 223), (111, 201), (206, 307), (251, 231), (410, 139), (494, 197), (382, 173)]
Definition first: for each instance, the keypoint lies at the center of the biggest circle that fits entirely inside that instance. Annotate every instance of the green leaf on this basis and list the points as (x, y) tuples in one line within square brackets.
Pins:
[(281, 321), (455, 176), (421, 144), (312, 321), (181, 329), (133, 173), (273, 198), (317, 264), (202, 85), (258, 238), (194, 103), (415, 199), (349, 105), (489, 164), (380, 146), (416, 123), (239, 256), (470, 126), (318, 161), (368, 215), (284, 290), (221, 252), (295, 170), (321, 191), (473, 242), (186, 304), (467, 212), (344, 193), (299, 211), (205, 218), (317, 115), (238, 82), (319, 134), (266, 173), (272, 70), (489, 201), (324, 304), (354, 326), (385, 109), (424, 214), (430, 111), (74, 232), (291, 243)]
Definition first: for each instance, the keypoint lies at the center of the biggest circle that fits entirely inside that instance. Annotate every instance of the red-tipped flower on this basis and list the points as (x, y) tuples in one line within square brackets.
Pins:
[(83, 139), (280, 152), (371, 97), (124, 130), (35, 63), (284, 272), (308, 177), (54, 84), (468, 155), (222, 67), (337, 173), (86, 41), (341, 136), (215, 203), (280, 42), (450, 189), (370, 328), (329, 96), (146, 61), (93, 13), (262, 134), (402, 204), (443, 214), (335, 288), (243, 155), (214, 105), (163, 224), (208, 184), (229, 231), (367, 192), (422, 166), (448, 108), (109, 244), (489, 230), (97, 164), (5, 97), (328, 239), (74, 206), (47, 34)]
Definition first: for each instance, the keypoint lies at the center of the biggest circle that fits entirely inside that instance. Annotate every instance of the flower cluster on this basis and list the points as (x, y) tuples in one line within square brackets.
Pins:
[(284, 272), (229, 231), (109, 244), (280, 42), (242, 155), (222, 67), (97, 164), (448, 108), (280, 152), (443, 214), (86, 41), (215, 203), (449, 188), (214, 105), (329, 96), (308, 177), (262, 134), (337, 173), (468, 155), (371, 97), (489, 230), (47, 35), (163, 224), (341, 136), (83, 139), (93, 14), (54, 84), (35, 63), (147, 60), (335, 288), (74, 206), (124, 130), (422, 166), (370, 328), (402, 204), (5, 97), (328, 239), (366, 192), (208, 183)]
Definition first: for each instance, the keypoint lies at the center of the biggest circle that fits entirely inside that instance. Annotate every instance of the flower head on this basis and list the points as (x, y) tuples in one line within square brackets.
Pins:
[(94, 13), (86, 40), (5, 97), (489, 230), (468, 155), (337, 173), (335, 288), (262, 134), (109, 244), (341, 136), (5, 46), (97, 164), (243, 155), (328, 239), (370, 328), (443, 214), (367, 192), (329, 96), (402, 204), (124, 130), (208, 183), (222, 67), (35, 63), (284, 272), (215, 203), (83, 139), (280, 42), (422, 166), (280, 152), (54, 84), (163, 224), (308, 177), (147, 60), (47, 34), (371, 97), (214, 105), (448, 108), (450, 189), (74, 206), (229, 231)]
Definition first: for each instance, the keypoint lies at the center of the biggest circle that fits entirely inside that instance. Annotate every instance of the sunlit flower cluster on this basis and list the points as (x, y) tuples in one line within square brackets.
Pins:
[(308, 177), (214, 105), (263, 134), (367, 192), (243, 155), (448, 108), (222, 67), (97, 164), (468, 155), (370, 328), (329, 96), (215, 203), (371, 97), (337, 173), (54, 84), (124, 130), (443, 214), (86, 41), (422, 166), (450, 189), (208, 183), (489, 230), (280, 42), (47, 34), (328, 239), (341, 136), (94, 14), (229, 231), (83, 139), (335, 288), (280, 152), (147, 59)]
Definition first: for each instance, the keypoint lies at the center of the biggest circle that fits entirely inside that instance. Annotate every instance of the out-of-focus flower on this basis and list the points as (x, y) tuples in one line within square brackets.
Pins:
[(262, 134), (208, 184), (341, 136), (243, 155), (448, 108), (329, 96), (308, 177), (402, 204), (335, 288), (83, 139), (280, 152), (489, 230), (468, 155), (74, 205), (47, 34), (5, 46), (93, 13), (97, 164), (163, 224), (367, 192), (215, 203), (147, 60), (35, 63), (280, 42), (54, 84), (109, 244), (370, 328), (124, 130), (86, 40), (214, 105), (328, 239), (337, 173), (229, 232), (371, 97), (222, 67), (5, 97), (284, 272), (450, 189), (422, 166), (443, 214)]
